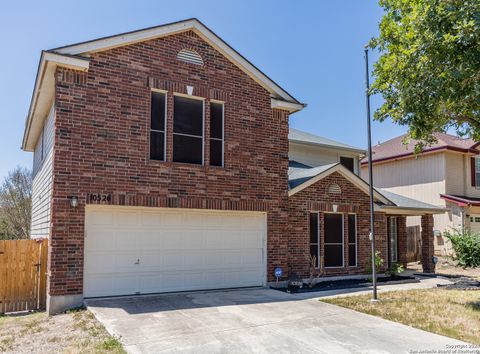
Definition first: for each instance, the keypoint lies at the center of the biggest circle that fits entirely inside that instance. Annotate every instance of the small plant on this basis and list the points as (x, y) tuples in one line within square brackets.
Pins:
[(313, 270), (378, 262), (395, 269), (466, 246)]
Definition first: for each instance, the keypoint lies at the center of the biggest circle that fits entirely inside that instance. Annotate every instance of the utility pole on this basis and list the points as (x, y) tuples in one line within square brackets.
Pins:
[(370, 178)]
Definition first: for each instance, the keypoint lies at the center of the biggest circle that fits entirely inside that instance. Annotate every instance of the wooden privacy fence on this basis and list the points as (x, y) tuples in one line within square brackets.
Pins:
[(23, 274), (414, 243)]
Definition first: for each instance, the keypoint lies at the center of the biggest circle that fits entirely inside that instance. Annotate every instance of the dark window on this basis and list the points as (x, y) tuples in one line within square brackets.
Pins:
[(187, 130), (216, 134), (347, 162), (333, 240), (157, 126), (352, 240), (393, 239), (314, 238)]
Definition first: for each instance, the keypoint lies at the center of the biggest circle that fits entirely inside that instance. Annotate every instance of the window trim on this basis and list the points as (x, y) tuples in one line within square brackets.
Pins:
[(198, 98), (356, 241), (318, 236), (477, 172), (394, 219), (343, 240), (223, 132), (165, 93)]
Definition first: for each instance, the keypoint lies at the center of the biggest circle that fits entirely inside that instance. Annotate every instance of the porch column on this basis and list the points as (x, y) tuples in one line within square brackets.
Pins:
[(402, 240), (427, 244)]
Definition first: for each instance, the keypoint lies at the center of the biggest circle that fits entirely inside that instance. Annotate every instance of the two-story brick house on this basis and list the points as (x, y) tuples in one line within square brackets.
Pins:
[(445, 174), (161, 163)]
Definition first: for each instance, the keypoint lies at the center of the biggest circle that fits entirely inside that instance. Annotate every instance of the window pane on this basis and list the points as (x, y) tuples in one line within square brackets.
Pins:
[(216, 120), (314, 253), (347, 162), (333, 255), (157, 145), (188, 116), (158, 111), (393, 239), (352, 255), (187, 149), (216, 152), (333, 228), (352, 228), (313, 228)]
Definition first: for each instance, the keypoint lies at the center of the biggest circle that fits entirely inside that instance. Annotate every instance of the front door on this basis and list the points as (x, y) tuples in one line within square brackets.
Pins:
[(333, 240)]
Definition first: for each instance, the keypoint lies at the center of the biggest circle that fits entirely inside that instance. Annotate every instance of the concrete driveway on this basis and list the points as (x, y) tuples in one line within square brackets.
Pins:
[(252, 321)]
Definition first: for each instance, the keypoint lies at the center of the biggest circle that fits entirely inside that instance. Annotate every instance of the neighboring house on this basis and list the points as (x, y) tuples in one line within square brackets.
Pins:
[(161, 161), (445, 174)]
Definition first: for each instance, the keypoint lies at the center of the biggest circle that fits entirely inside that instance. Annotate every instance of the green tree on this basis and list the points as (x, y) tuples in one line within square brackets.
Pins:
[(16, 204), (428, 72)]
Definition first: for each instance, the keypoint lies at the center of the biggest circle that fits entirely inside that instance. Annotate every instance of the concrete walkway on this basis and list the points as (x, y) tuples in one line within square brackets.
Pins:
[(253, 321)]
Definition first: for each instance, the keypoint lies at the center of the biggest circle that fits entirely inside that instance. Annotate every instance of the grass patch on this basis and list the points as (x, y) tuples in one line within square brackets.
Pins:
[(452, 313)]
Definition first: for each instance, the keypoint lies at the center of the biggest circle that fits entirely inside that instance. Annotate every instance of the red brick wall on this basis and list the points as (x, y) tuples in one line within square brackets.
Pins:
[(102, 146), (352, 200), (428, 248)]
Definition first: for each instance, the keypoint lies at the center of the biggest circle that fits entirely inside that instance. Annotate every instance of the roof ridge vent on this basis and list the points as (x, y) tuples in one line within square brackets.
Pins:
[(190, 56)]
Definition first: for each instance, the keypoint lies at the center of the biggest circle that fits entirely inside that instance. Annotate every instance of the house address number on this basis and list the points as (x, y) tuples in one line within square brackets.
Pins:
[(100, 197)]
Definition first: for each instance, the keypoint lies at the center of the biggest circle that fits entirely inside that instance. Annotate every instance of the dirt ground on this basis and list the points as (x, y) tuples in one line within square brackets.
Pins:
[(447, 266), (72, 332)]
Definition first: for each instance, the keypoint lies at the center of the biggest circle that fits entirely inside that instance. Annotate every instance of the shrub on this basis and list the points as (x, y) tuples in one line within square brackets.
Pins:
[(466, 246), (395, 269)]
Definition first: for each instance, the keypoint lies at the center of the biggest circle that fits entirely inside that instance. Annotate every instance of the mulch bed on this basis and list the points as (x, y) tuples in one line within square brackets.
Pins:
[(462, 283), (345, 284)]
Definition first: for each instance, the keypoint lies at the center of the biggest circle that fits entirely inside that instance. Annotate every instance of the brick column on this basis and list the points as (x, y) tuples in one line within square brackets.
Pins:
[(427, 244), (402, 239)]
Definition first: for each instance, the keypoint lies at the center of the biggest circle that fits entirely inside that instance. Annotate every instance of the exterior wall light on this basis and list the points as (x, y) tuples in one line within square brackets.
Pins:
[(74, 201)]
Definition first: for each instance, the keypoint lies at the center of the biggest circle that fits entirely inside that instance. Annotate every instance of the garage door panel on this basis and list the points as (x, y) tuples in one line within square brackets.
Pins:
[(127, 219), (177, 250)]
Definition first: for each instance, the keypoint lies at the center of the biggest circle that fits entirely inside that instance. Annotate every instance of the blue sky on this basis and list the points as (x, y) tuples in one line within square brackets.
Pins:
[(313, 49)]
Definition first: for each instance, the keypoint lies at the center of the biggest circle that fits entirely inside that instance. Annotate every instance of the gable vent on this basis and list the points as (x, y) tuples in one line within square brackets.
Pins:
[(334, 189), (190, 56)]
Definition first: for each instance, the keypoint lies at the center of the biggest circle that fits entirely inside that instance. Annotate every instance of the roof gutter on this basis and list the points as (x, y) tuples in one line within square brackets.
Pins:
[(44, 91)]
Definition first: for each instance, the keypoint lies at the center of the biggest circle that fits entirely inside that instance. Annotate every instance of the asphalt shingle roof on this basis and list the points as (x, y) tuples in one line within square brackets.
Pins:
[(299, 173), (405, 202), (395, 147)]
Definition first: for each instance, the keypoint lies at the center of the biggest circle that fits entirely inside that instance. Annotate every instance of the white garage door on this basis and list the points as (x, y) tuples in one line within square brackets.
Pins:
[(131, 250)]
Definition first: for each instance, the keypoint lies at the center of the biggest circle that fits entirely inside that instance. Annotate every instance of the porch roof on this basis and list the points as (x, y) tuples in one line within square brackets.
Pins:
[(407, 206)]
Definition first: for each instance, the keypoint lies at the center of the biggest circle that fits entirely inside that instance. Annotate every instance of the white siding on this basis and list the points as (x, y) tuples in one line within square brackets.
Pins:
[(42, 180), (318, 156)]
